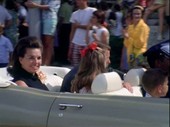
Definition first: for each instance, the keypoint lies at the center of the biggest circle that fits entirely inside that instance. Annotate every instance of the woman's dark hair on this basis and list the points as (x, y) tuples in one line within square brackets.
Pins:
[(20, 50), (100, 16)]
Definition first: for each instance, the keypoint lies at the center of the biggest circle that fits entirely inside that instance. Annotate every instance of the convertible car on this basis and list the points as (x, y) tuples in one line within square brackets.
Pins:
[(29, 107)]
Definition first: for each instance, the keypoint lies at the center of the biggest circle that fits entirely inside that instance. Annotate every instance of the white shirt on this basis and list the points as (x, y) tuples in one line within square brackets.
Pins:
[(116, 28), (98, 32), (83, 17)]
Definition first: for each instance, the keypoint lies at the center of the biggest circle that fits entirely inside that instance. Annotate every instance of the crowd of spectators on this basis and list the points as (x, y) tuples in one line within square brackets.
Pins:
[(18, 15)]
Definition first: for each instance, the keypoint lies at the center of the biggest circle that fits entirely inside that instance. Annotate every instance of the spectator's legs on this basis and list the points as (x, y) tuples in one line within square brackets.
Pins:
[(151, 9), (48, 50), (161, 22)]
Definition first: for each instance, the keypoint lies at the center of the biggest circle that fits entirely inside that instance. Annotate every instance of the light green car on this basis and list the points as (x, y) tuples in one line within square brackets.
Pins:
[(28, 107)]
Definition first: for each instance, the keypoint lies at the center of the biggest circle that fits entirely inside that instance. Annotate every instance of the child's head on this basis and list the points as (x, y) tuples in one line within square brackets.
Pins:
[(155, 82)]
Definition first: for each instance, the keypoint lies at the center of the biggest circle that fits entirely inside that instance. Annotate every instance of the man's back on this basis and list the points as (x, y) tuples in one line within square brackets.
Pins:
[(66, 84)]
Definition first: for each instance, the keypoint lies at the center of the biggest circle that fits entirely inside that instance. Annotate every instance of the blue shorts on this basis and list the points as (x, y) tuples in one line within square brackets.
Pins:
[(49, 27)]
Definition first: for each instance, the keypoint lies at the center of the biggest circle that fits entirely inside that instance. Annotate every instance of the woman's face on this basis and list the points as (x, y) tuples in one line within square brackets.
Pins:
[(136, 15), (94, 20), (32, 60)]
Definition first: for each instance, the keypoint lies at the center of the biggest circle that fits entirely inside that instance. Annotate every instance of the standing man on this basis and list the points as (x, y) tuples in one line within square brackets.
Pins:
[(79, 19)]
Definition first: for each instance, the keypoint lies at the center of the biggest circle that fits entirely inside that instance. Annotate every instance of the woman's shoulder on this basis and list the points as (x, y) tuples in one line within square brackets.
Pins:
[(103, 29), (142, 23)]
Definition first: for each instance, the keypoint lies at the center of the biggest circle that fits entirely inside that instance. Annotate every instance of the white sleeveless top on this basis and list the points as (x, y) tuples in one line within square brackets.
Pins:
[(98, 32)]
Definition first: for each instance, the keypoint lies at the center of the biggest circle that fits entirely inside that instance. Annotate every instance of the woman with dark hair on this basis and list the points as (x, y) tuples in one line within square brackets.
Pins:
[(25, 64), (99, 32)]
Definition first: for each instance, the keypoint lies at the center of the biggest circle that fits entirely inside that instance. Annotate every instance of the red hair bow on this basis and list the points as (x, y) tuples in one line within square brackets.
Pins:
[(92, 46)]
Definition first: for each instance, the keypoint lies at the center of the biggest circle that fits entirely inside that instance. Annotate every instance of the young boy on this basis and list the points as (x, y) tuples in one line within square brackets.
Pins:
[(155, 82), (6, 49)]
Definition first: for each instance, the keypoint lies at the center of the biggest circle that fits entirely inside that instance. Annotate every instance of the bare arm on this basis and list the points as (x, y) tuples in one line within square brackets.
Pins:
[(78, 25), (128, 86), (73, 29), (21, 83), (82, 26), (87, 33), (104, 37), (31, 4)]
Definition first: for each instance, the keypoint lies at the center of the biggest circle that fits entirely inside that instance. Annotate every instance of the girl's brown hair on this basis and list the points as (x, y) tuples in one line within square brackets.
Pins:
[(92, 64)]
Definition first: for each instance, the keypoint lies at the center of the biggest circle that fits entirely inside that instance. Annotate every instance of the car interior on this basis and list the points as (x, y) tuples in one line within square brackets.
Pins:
[(108, 83)]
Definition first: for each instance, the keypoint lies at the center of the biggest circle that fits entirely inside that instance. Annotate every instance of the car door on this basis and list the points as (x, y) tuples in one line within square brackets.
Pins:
[(24, 107), (76, 110)]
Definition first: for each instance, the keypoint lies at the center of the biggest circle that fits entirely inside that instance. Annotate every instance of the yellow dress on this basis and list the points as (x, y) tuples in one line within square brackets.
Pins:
[(136, 43)]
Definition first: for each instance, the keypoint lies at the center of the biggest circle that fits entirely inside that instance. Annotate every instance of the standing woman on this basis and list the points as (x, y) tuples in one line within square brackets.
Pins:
[(99, 32), (136, 37), (49, 9)]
